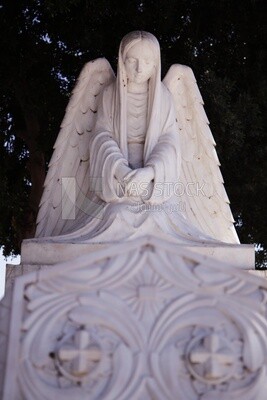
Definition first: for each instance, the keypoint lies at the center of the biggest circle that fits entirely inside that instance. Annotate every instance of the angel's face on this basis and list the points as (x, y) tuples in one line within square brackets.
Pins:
[(140, 63)]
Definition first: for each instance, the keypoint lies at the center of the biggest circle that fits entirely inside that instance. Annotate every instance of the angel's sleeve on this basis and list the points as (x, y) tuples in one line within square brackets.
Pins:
[(165, 158), (105, 154)]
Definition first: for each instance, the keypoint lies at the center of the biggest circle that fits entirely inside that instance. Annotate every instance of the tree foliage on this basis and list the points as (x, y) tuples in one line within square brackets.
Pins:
[(44, 44)]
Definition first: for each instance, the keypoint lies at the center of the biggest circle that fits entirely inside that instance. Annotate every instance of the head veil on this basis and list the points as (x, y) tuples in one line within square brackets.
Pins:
[(154, 94)]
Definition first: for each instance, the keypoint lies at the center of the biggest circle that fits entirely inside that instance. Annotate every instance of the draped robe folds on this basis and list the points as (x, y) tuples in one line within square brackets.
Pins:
[(122, 216), (106, 155)]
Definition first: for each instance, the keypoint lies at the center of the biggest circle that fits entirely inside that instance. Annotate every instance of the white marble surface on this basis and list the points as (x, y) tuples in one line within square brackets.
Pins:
[(15, 260), (259, 273), (5, 314), (145, 320), (102, 309), (35, 252), (132, 143)]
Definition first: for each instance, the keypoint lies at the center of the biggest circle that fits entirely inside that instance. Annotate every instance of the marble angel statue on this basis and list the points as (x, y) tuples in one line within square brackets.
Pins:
[(135, 156)]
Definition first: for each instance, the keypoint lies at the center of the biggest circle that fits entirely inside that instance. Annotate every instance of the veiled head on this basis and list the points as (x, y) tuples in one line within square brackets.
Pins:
[(140, 54), (134, 45), (134, 37)]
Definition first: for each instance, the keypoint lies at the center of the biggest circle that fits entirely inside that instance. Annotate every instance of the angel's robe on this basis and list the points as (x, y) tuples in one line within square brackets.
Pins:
[(121, 216), (106, 156)]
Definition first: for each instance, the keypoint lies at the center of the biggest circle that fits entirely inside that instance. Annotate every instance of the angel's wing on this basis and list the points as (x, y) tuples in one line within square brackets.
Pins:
[(202, 185), (68, 172)]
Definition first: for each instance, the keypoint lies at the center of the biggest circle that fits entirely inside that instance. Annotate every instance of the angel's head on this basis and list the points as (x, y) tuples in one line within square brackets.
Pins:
[(140, 55), (138, 69)]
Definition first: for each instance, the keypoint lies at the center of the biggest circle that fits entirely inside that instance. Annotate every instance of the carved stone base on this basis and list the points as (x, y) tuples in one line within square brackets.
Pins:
[(144, 320)]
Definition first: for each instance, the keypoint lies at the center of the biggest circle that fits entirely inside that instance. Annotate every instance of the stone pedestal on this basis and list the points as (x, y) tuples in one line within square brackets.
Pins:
[(144, 320), (49, 253)]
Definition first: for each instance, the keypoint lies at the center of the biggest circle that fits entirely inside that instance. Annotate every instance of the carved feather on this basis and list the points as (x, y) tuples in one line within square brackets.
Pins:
[(71, 150)]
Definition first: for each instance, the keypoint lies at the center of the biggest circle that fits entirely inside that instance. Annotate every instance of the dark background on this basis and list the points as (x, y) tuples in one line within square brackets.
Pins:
[(44, 45)]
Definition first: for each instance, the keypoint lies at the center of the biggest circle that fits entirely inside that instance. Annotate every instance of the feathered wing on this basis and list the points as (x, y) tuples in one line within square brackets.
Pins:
[(68, 173), (202, 186)]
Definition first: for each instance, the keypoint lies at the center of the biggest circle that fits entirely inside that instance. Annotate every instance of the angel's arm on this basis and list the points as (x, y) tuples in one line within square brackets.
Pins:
[(165, 159), (106, 159)]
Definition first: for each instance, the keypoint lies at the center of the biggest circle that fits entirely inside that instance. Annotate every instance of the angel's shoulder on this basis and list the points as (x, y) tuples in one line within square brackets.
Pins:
[(109, 89), (166, 95), (105, 99), (107, 94)]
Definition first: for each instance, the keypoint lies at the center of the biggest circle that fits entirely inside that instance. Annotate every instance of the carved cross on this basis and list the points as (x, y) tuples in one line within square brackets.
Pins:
[(82, 355), (213, 356)]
